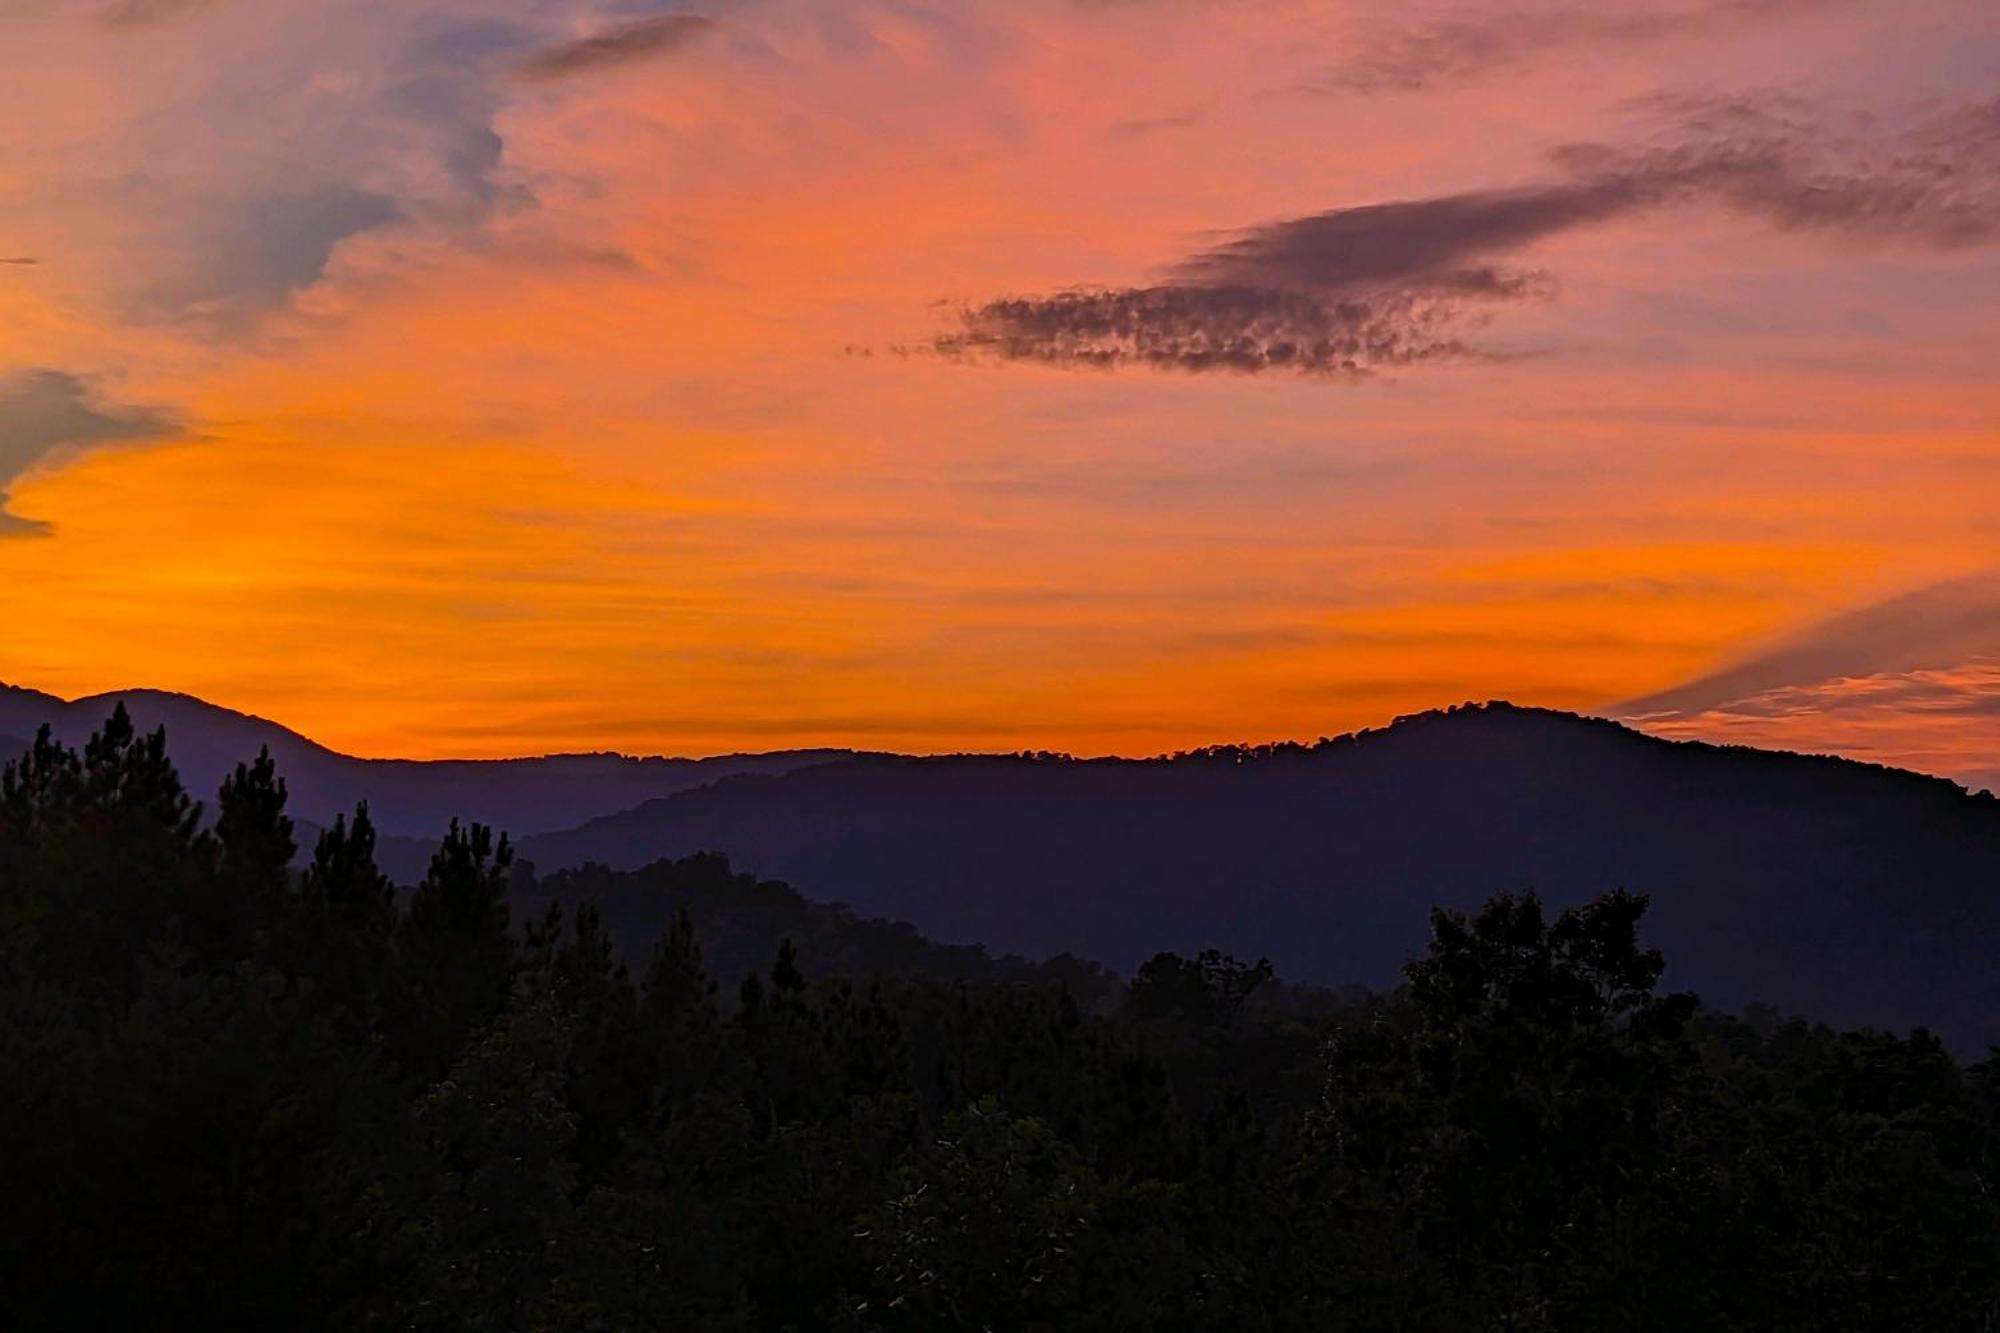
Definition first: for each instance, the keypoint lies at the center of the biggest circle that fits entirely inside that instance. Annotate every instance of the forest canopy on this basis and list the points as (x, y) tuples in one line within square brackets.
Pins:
[(245, 1086)]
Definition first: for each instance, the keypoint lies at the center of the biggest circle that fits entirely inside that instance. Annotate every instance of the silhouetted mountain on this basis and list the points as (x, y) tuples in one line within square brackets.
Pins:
[(1855, 893), (238, 1094), (414, 798)]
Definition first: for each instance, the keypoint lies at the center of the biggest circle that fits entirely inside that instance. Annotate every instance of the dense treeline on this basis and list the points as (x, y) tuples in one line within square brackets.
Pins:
[(235, 1094)]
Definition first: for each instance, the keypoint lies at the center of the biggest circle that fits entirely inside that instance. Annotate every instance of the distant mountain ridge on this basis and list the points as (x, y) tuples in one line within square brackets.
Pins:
[(1850, 892), (411, 798), (1853, 893)]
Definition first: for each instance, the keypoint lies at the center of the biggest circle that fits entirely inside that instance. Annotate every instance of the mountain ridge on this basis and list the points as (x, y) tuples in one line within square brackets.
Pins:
[(412, 798), (17, 701), (1850, 890), (1841, 888)]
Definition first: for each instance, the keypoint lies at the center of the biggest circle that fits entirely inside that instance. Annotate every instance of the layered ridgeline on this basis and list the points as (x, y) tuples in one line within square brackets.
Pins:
[(411, 798), (1855, 893), (235, 1093)]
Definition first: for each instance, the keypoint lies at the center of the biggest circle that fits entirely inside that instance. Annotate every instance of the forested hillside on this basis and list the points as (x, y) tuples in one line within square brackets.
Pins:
[(1855, 893), (1858, 894), (233, 1094)]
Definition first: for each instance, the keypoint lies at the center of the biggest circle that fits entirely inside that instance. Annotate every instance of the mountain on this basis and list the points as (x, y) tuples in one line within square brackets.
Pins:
[(1855, 894), (740, 921), (411, 798), (1849, 892)]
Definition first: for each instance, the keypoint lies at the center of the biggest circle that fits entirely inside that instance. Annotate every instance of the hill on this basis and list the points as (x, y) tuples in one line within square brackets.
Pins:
[(740, 921), (1858, 894), (413, 798)]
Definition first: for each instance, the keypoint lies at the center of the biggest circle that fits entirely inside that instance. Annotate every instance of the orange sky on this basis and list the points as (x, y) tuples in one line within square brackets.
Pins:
[(395, 371)]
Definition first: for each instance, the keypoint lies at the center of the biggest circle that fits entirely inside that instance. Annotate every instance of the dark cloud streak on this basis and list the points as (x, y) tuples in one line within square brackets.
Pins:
[(1382, 285), (1931, 628), (1424, 243), (1194, 328), (1464, 49), (42, 411), (628, 42)]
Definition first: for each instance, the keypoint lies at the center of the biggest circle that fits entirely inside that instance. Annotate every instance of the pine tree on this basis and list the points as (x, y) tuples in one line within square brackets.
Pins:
[(343, 883), (341, 935), (254, 844), (455, 944)]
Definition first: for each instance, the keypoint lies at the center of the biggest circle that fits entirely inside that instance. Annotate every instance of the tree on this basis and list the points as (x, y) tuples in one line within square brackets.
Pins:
[(499, 1137), (1585, 970), (680, 1029), (987, 1228), (455, 944), (101, 850), (610, 1069), (254, 845), (1207, 990), (343, 883), (342, 932), (1519, 1125), (253, 829)]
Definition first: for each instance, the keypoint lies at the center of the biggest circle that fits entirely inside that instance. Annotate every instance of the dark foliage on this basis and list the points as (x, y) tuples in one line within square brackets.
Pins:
[(238, 1095)]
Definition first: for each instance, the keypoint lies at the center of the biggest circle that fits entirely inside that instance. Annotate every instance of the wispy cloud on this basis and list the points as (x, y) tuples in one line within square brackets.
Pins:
[(1912, 681), (1466, 46), (42, 411), (623, 44), (1943, 720), (1379, 285), (1930, 629), (240, 192), (140, 13), (258, 251), (1966, 690), (1433, 244), (1207, 328)]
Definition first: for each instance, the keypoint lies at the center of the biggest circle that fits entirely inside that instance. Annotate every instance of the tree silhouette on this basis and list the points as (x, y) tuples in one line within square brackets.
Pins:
[(454, 941), (255, 848), (236, 1094), (343, 883), (1208, 989)]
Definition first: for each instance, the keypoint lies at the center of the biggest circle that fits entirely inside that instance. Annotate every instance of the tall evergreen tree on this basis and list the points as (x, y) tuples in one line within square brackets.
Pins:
[(343, 883), (341, 934), (454, 942), (114, 848), (253, 836)]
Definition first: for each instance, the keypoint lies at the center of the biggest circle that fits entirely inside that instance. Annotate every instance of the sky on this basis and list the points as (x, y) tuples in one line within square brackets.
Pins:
[(485, 377)]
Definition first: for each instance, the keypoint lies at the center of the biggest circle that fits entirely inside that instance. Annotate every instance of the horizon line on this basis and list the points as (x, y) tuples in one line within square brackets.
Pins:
[(1627, 723)]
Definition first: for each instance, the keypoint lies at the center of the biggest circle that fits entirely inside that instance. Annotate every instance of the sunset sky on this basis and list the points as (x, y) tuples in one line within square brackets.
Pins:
[(485, 377)]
